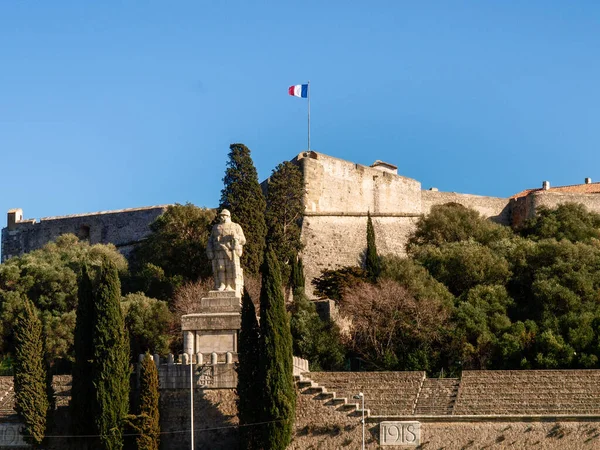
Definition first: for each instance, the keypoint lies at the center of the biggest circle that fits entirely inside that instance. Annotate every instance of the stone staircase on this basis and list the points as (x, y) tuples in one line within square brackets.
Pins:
[(476, 393), (536, 392), (385, 393), (437, 397), (351, 406)]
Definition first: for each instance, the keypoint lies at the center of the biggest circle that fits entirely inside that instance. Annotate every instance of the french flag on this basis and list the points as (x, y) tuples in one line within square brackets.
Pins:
[(300, 90)]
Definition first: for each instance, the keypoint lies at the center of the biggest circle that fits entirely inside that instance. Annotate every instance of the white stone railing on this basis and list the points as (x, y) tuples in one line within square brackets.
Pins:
[(300, 365)]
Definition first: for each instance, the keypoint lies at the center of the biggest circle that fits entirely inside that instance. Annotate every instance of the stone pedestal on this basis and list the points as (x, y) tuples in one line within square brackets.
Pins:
[(215, 327)]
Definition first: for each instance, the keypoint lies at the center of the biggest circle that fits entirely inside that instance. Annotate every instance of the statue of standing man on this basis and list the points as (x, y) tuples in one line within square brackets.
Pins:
[(225, 246)]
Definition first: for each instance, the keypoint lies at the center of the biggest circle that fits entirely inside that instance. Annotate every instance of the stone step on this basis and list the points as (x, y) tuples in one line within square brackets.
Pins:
[(359, 413), (324, 396), (314, 390), (304, 384), (336, 401), (348, 407)]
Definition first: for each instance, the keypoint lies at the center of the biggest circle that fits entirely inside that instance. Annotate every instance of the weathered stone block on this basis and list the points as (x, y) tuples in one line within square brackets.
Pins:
[(211, 321)]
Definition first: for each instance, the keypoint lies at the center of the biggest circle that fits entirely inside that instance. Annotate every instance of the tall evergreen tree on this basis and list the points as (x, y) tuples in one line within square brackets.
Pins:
[(82, 392), (30, 375), (249, 397), (149, 425), (244, 199), (372, 261), (275, 375), (110, 366), (297, 282), (285, 191)]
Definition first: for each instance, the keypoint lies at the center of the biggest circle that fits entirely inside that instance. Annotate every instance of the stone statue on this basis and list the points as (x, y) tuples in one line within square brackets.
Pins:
[(224, 250)]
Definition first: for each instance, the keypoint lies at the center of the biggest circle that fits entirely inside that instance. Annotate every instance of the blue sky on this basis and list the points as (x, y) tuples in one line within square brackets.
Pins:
[(116, 104)]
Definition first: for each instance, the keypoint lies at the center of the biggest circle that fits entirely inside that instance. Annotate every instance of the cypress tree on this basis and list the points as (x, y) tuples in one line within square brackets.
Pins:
[(244, 199), (372, 261), (31, 394), (110, 366), (297, 277), (285, 191), (249, 397), (275, 376), (149, 430), (82, 392)]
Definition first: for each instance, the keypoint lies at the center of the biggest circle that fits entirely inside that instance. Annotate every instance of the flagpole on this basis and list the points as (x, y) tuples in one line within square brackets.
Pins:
[(308, 95)]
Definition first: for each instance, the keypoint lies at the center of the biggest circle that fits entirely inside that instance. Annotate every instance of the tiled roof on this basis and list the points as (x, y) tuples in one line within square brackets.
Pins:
[(589, 188)]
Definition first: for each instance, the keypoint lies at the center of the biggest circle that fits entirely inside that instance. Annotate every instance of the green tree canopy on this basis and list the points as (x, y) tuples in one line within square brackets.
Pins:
[(110, 363), (452, 222), (297, 281), (372, 261), (413, 277), (175, 251), (244, 199), (148, 322), (285, 190), (481, 321), (148, 414), (49, 277), (570, 221), (333, 283), (31, 394), (82, 392), (275, 375), (249, 397), (314, 339), (463, 265), (556, 285)]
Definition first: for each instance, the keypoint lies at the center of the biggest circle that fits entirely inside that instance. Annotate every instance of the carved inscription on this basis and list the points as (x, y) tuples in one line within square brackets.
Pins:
[(205, 377), (10, 435), (400, 433)]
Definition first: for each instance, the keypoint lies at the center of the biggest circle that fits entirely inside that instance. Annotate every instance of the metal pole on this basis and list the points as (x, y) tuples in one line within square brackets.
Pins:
[(362, 396), (192, 400), (363, 419), (308, 95)]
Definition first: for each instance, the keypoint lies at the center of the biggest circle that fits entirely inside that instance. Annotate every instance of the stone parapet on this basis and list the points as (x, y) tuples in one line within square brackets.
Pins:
[(210, 371)]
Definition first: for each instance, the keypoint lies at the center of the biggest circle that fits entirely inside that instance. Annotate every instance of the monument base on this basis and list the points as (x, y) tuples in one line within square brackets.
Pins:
[(215, 327)]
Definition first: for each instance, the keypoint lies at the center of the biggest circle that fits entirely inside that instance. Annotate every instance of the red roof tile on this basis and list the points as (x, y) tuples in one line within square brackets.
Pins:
[(589, 188)]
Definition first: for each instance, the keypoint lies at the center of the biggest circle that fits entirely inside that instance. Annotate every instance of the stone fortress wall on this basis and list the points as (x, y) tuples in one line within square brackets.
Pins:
[(124, 228), (339, 194)]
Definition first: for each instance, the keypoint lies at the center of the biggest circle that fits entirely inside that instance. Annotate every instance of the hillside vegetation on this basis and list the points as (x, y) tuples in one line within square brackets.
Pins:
[(473, 294)]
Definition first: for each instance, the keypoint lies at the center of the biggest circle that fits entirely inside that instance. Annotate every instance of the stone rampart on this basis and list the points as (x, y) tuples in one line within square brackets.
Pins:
[(124, 228), (493, 208), (332, 242), (339, 194), (335, 186), (525, 207)]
